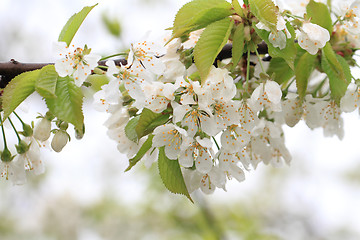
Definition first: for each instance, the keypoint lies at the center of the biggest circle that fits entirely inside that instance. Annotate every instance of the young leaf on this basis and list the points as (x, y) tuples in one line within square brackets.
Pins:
[(46, 82), (237, 8), (319, 14), (149, 121), (330, 55), (238, 44), (283, 72), (171, 175), (69, 30), (142, 151), (288, 53), (210, 43), (130, 129), (198, 14), (338, 85), (303, 70), (265, 11), (18, 90), (67, 106)]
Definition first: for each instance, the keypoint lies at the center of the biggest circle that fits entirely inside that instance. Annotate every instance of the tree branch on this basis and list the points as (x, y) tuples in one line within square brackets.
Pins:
[(9, 70)]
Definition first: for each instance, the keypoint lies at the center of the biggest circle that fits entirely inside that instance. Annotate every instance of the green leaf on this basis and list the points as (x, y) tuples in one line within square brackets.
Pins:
[(149, 121), (112, 25), (238, 44), (130, 129), (67, 106), (97, 81), (18, 90), (319, 14), (46, 82), (171, 175), (237, 8), (338, 79), (283, 72), (142, 151), (198, 14), (288, 53), (210, 43), (266, 12), (69, 30), (303, 70)]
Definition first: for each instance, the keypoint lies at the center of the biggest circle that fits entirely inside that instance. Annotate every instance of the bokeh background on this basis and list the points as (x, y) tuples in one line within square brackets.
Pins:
[(86, 195)]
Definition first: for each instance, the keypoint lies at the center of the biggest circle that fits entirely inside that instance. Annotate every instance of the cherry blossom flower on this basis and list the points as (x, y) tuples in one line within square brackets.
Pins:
[(32, 159), (311, 37), (196, 118), (351, 100), (225, 113), (267, 94), (208, 182), (199, 151), (234, 138), (13, 170), (170, 136), (220, 84), (134, 79), (158, 96), (146, 55), (229, 162), (191, 91), (278, 38), (77, 63), (267, 145), (351, 17)]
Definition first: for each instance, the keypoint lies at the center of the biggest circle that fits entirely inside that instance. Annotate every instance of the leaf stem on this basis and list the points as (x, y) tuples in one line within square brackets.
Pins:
[(293, 16), (3, 132), (217, 145), (247, 70), (261, 65), (114, 55)]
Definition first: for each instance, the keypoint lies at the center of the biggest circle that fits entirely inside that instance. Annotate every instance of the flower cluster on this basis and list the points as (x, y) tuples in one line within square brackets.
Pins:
[(219, 127)]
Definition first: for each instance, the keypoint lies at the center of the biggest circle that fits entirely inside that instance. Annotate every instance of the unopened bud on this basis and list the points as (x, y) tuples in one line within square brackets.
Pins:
[(6, 155), (42, 130), (22, 147), (27, 130), (59, 140)]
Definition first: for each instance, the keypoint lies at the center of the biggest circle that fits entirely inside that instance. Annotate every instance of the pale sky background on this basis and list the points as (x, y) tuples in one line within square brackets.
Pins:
[(314, 180)]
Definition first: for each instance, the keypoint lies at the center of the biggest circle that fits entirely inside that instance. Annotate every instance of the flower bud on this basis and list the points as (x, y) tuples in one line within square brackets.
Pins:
[(22, 147), (59, 140), (27, 130), (6, 155), (42, 130)]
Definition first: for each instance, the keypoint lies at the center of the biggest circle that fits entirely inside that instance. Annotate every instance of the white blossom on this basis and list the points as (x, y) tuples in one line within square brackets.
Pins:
[(146, 55), (170, 136), (278, 38), (351, 100), (199, 151), (267, 94), (75, 62), (311, 37)]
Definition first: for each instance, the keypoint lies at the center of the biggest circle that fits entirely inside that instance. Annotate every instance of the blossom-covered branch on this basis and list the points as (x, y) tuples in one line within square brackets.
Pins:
[(203, 103)]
